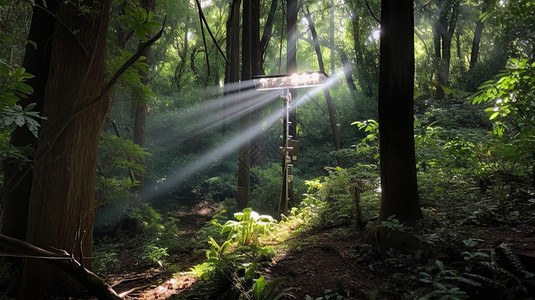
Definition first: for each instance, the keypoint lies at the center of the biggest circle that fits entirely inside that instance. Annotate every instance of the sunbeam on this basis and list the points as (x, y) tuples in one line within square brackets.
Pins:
[(255, 100), (181, 175), (211, 113)]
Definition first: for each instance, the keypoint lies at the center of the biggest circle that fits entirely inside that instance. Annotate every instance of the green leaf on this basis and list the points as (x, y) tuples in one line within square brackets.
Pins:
[(494, 115)]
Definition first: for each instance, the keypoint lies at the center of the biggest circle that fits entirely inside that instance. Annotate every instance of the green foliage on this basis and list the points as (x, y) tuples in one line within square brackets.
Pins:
[(443, 281), (133, 75), (512, 94), (248, 228), (369, 144), (12, 85), (118, 159), (217, 251), (328, 294), (137, 19), (117, 155), (149, 241), (16, 115), (330, 201), (267, 180)]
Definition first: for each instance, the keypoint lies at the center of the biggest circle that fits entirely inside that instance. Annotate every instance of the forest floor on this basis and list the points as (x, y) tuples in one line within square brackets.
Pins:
[(314, 264)]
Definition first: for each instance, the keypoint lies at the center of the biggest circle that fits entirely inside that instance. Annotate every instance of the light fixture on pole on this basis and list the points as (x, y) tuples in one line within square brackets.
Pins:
[(289, 150)]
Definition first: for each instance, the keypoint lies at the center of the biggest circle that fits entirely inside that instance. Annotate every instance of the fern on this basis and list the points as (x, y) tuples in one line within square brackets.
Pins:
[(483, 280), (512, 260), (500, 271), (461, 279)]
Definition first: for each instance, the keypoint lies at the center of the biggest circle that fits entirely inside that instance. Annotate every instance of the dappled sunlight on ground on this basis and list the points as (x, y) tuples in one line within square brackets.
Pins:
[(171, 287)]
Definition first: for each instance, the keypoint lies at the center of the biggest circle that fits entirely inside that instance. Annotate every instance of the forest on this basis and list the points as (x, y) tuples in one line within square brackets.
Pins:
[(267, 149)]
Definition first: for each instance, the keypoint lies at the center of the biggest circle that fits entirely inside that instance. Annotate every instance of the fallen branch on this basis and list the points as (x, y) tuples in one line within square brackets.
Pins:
[(94, 284)]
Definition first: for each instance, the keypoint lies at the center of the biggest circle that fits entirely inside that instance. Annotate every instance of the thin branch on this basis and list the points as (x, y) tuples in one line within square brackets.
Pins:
[(210, 32), (204, 40), (371, 12)]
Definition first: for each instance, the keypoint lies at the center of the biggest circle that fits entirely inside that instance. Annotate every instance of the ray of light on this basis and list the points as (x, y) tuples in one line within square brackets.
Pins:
[(179, 176), (182, 174)]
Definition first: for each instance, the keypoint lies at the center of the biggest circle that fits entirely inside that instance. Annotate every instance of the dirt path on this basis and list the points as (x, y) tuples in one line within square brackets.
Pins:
[(162, 284), (323, 262)]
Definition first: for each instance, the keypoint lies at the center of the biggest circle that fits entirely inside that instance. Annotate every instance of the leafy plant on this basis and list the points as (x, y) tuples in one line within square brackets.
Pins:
[(139, 20), (250, 226), (16, 115), (13, 85), (443, 281), (217, 251), (269, 289)]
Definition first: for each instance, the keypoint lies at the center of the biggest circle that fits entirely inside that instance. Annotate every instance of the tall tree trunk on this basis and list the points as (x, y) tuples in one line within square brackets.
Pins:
[(17, 181), (348, 69), (257, 145), (61, 207), (396, 121), (331, 35), (140, 105), (268, 28), (442, 37), (330, 106), (232, 69), (244, 159), (474, 54), (365, 74)]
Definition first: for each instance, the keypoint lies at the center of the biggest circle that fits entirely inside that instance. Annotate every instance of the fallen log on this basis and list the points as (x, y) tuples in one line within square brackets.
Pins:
[(67, 263)]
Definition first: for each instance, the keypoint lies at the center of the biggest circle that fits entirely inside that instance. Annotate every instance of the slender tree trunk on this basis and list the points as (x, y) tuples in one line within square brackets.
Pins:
[(474, 54), (140, 105), (232, 69), (61, 207), (366, 78), (396, 121), (348, 69), (346, 64), (244, 178), (443, 35), (331, 35), (268, 28), (257, 145), (330, 106)]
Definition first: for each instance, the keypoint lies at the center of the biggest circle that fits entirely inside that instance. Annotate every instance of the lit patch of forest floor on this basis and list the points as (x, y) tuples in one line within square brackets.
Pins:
[(331, 262)]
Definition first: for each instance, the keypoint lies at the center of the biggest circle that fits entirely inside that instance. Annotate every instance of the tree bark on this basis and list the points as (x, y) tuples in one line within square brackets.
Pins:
[(331, 35), (448, 12), (140, 105), (346, 64), (366, 67), (257, 145), (330, 106), (396, 121), (244, 159), (232, 68), (61, 207), (268, 28), (474, 54)]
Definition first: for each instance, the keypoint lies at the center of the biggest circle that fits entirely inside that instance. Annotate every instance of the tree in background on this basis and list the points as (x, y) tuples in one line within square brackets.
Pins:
[(244, 155), (139, 104), (444, 27), (399, 189)]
